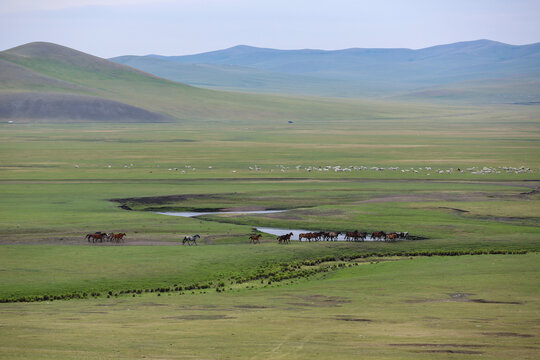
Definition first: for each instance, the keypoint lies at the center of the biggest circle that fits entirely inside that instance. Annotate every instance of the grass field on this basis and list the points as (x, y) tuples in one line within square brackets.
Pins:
[(424, 308), (60, 181), (47, 200)]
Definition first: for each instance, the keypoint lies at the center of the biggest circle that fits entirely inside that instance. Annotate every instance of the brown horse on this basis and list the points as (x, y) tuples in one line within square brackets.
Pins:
[(308, 236), (391, 237), (96, 236), (332, 236), (285, 239), (117, 237), (378, 235), (254, 239), (351, 235)]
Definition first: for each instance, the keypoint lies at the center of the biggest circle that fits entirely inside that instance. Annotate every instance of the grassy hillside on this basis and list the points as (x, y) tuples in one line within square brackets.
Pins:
[(444, 63), (71, 107), (523, 90), (76, 72), (356, 72), (243, 78)]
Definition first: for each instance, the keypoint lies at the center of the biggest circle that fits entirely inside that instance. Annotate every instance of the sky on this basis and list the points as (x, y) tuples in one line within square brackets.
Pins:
[(110, 28)]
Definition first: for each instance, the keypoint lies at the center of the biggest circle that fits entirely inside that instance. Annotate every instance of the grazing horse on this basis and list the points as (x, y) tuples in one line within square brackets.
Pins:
[(378, 235), (190, 239), (254, 239), (285, 239), (117, 237)]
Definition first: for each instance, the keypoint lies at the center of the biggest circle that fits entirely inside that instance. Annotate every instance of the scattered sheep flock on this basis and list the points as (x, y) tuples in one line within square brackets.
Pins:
[(427, 170)]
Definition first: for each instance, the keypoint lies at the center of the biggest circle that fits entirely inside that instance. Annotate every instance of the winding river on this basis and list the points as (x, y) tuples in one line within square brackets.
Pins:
[(268, 230)]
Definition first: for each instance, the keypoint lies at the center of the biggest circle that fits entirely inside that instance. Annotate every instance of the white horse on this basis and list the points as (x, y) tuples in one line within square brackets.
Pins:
[(190, 239)]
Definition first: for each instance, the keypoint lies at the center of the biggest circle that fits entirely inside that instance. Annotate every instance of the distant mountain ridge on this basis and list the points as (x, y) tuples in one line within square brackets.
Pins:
[(48, 82), (348, 72)]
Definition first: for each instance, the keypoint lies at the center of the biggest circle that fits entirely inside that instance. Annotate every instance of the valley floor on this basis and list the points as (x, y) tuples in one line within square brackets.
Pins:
[(418, 308), (62, 180)]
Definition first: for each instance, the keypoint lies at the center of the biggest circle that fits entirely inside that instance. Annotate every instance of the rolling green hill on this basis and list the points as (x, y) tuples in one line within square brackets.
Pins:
[(511, 90), (357, 72), (243, 78), (50, 68)]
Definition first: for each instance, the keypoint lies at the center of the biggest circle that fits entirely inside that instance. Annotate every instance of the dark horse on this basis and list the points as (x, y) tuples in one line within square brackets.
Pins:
[(190, 239), (285, 239), (96, 236), (254, 239)]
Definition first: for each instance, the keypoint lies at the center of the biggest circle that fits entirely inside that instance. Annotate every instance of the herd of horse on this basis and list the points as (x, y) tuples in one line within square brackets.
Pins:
[(282, 239), (333, 236), (102, 237), (354, 236)]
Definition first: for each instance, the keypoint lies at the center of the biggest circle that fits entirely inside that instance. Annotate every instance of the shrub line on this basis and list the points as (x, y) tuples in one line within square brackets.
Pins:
[(271, 272)]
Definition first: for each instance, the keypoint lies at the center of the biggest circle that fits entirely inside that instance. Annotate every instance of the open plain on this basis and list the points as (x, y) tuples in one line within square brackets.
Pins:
[(462, 180)]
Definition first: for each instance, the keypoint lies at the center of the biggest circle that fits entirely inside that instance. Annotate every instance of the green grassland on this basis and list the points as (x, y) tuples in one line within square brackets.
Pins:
[(47, 200), (62, 180), (424, 308)]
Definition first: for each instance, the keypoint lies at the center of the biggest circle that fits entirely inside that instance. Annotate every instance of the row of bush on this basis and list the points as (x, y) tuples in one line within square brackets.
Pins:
[(271, 272), (276, 272)]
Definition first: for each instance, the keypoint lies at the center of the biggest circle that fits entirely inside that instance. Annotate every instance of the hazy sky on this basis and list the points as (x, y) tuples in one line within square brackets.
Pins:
[(119, 27)]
